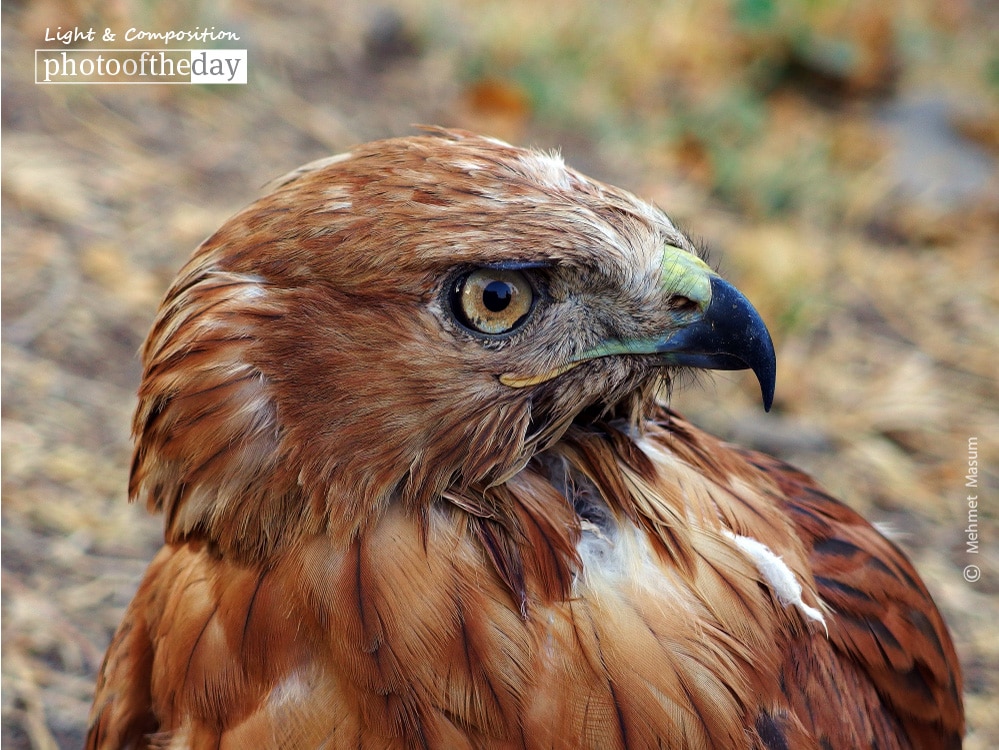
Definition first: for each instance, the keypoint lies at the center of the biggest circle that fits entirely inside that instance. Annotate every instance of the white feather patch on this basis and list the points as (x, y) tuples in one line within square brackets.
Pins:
[(293, 689), (776, 573), (622, 553), (548, 169), (338, 198)]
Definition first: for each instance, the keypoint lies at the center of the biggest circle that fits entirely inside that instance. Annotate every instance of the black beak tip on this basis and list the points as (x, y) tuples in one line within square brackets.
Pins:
[(767, 377), (743, 334), (730, 335)]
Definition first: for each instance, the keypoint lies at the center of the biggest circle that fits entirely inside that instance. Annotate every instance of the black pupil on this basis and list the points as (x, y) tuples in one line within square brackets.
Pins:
[(497, 295)]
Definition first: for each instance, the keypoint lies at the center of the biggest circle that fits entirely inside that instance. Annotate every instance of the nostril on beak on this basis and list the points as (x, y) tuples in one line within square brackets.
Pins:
[(682, 304)]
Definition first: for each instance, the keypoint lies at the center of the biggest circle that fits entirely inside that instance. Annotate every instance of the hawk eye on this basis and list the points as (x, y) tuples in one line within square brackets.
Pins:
[(492, 300)]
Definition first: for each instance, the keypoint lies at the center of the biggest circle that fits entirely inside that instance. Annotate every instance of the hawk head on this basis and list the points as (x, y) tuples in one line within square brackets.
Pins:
[(416, 315)]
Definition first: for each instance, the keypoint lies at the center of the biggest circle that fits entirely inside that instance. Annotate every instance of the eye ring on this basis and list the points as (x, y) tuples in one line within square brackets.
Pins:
[(492, 301)]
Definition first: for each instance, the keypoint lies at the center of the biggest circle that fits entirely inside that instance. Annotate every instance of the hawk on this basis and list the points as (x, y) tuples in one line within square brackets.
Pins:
[(404, 419)]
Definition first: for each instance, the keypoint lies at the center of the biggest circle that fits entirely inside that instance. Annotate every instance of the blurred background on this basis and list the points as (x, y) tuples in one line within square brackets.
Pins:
[(839, 159)]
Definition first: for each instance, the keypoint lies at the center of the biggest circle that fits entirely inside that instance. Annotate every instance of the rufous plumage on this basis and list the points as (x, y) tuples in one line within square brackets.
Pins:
[(404, 419)]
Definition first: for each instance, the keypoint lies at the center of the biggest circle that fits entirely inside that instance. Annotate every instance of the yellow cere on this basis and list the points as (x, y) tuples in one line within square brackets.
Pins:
[(686, 275)]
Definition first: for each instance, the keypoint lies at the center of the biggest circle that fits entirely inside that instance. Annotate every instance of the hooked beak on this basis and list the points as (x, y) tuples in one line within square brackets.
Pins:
[(724, 332), (728, 335)]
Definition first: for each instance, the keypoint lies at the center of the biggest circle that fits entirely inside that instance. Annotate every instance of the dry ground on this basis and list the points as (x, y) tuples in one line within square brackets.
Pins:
[(839, 160)]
